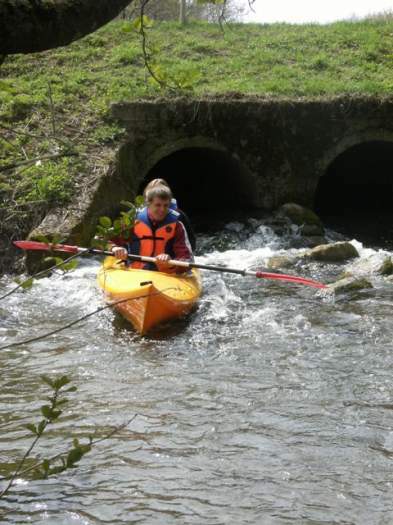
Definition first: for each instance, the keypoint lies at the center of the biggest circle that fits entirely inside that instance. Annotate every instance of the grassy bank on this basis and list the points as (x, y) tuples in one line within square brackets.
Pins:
[(55, 105)]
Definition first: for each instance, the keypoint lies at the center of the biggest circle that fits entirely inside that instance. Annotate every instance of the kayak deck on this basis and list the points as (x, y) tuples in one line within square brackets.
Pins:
[(147, 298)]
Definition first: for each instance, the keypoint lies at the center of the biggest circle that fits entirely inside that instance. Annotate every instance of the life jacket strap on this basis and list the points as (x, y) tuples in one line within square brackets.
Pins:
[(152, 238)]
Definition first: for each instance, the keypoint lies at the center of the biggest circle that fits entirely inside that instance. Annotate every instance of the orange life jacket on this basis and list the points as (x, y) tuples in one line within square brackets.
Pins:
[(149, 241)]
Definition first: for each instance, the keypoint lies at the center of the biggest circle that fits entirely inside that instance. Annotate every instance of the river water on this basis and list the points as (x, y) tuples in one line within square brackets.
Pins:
[(272, 403)]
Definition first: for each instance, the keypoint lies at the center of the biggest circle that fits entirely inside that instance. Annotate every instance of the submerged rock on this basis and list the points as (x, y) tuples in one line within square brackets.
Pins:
[(336, 252), (350, 284)]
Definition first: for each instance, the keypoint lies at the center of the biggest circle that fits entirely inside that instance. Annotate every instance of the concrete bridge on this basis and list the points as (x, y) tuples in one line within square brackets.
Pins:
[(247, 153)]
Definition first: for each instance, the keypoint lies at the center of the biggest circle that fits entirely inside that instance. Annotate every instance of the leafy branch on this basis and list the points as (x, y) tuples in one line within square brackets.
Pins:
[(183, 80), (62, 461), (106, 229), (64, 265), (50, 414)]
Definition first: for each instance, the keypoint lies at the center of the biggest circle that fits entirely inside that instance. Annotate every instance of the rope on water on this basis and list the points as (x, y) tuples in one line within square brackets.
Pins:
[(76, 321)]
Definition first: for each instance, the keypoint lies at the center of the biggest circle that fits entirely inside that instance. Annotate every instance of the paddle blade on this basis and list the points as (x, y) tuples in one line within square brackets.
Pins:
[(290, 279), (43, 246)]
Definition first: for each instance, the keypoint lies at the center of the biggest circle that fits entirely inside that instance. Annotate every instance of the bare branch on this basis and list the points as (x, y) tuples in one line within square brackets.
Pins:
[(31, 161)]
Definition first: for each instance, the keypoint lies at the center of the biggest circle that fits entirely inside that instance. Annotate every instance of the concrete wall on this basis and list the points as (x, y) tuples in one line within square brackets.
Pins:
[(283, 147)]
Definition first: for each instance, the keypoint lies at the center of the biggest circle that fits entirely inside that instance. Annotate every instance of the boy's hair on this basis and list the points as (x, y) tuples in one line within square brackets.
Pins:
[(159, 190), (153, 183)]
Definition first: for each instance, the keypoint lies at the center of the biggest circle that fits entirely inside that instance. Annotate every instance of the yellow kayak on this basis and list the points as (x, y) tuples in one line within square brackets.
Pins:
[(154, 297)]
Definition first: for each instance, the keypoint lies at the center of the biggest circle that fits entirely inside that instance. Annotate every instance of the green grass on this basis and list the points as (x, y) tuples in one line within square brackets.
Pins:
[(296, 60), (275, 61)]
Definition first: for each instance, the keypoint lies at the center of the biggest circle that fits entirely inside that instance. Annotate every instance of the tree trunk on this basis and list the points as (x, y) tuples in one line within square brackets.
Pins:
[(28, 26), (182, 13)]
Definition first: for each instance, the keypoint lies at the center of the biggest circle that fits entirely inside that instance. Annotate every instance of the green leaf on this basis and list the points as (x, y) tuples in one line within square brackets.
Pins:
[(71, 389), (139, 201), (41, 426), (72, 265), (32, 428), (127, 27), (147, 21), (75, 442), (42, 238), (46, 411), (142, 20), (54, 261), (137, 24), (117, 224), (105, 222), (126, 221), (128, 204), (26, 285), (73, 456), (62, 401), (55, 414), (61, 381), (101, 230)]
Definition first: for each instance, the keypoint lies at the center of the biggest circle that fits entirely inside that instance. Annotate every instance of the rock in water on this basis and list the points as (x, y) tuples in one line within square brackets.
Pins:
[(336, 252), (349, 284)]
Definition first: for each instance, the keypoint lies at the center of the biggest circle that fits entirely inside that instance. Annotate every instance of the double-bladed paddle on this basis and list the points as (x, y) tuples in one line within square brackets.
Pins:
[(35, 245)]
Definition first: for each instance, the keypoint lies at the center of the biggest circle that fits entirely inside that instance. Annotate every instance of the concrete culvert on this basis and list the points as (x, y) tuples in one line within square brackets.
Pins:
[(358, 180), (356, 192), (204, 179)]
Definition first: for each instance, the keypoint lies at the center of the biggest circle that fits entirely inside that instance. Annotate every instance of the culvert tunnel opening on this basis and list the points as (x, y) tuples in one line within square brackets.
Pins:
[(356, 193), (206, 183)]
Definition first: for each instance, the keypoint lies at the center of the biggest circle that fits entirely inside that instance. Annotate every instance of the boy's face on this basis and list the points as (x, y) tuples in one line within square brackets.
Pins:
[(158, 208)]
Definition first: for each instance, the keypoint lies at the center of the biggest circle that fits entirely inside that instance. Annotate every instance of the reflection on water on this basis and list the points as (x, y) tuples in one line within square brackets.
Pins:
[(271, 403)]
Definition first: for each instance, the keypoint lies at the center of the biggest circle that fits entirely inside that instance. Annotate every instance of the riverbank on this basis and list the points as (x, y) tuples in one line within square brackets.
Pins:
[(58, 136)]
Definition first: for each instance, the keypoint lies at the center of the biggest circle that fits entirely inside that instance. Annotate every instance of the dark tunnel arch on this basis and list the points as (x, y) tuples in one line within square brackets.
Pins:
[(358, 186), (205, 179)]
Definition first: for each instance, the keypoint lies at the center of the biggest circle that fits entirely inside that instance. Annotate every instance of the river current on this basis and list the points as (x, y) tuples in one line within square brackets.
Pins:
[(270, 404)]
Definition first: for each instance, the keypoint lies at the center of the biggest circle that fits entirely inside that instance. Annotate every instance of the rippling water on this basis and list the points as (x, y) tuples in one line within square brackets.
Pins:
[(272, 403)]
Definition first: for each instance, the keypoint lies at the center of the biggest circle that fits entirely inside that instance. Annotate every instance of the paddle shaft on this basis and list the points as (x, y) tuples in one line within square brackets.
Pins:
[(172, 262), (35, 245)]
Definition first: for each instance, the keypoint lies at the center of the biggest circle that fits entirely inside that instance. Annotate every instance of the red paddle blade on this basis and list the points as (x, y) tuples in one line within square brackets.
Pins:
[(35, 245), (290, 278)]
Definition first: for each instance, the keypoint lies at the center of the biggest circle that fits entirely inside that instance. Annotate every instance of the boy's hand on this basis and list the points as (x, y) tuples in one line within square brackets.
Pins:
[(162, 261), (119, 253)]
